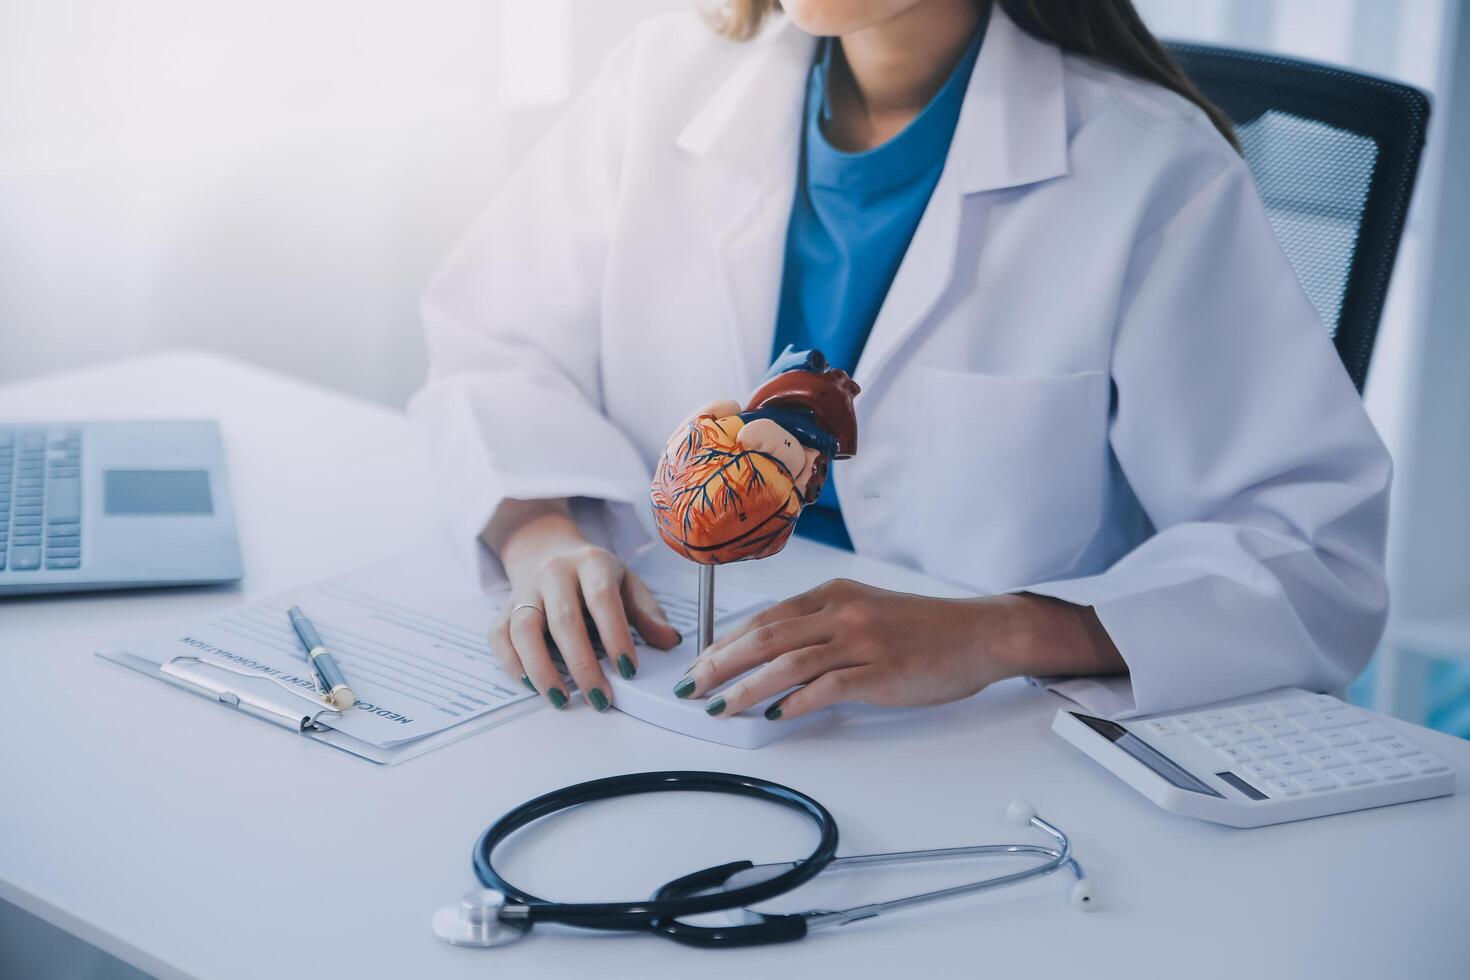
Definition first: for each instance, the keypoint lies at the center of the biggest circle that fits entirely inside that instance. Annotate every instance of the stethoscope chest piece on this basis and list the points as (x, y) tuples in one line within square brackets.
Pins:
[(475, 921)]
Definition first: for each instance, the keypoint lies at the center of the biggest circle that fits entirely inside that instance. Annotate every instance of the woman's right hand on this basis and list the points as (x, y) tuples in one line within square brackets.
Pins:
[(559, 582)]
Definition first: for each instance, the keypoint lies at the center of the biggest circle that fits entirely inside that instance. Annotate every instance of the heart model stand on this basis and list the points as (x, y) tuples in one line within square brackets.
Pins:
[(706, 608), (730, 486)]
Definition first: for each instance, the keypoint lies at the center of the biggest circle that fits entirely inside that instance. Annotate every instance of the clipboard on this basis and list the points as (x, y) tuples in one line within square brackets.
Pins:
[(270, 701), (409, 631)]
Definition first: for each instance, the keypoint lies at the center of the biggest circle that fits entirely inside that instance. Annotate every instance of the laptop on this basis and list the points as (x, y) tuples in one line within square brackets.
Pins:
[(114, 505)]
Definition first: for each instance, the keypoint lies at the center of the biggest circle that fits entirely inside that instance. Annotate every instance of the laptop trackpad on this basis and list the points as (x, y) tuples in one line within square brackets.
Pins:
[(157, 492)]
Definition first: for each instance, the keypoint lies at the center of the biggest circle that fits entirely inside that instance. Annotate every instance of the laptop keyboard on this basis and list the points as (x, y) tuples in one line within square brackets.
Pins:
[(40, 499)]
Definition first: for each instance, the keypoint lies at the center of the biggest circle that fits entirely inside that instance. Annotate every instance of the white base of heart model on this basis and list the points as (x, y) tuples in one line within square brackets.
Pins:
[(649, 697)]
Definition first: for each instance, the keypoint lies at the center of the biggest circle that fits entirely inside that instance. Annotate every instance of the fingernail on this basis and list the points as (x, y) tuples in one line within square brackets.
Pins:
[(774, 711), (625, 666), (598, 699), (715, 707), (680, 641), (557, 698), (527, 681), (684, 688)]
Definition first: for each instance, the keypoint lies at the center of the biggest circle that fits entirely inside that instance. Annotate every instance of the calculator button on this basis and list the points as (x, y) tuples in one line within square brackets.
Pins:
[(1219, 719), (1301, 743), (1261, 771), (1356, 776), (1397, 748), (1424, 764), (1372, 732), (1277, 727), (1159, 727), (1291, 765), (1264, 748), (1289, 709), (1326, 758), (1389, 769), (1283, 787), (1337, 718), (1346, 715), (1188, 723), (1338, 737), (1256, 712), (1316, 782), (1322, 702), (1239, 733), (1235, 753), (1362, 753), (1213, 739)]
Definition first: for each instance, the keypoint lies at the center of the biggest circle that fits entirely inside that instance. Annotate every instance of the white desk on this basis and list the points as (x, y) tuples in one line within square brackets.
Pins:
[(174, 834)]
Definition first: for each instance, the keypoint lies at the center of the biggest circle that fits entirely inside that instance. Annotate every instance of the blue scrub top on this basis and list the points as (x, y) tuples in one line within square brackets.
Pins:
[(851, 223)]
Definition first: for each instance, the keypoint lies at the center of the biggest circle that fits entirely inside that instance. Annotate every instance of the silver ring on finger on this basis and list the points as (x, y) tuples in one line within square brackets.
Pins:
[(525, 605)]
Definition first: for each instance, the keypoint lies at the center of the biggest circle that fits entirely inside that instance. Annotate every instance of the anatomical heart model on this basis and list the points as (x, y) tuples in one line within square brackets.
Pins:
[(732, 482)]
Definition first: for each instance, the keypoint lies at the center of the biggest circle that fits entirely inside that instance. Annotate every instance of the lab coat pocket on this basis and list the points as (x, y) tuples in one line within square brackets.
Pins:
[(1012, 473)]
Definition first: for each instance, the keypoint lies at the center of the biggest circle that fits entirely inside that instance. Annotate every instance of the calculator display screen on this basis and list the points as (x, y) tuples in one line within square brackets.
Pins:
[(1158, 763)]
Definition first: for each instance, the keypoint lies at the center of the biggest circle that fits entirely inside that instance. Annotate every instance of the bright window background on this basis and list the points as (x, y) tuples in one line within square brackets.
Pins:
[(277, 180)]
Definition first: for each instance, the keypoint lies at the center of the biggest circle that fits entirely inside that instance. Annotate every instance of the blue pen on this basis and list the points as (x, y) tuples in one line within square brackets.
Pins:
[(329, 680)]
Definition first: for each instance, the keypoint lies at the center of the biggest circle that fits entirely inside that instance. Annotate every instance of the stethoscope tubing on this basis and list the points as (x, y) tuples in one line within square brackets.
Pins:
[(763, 928), (1056, 859), (642, 915)]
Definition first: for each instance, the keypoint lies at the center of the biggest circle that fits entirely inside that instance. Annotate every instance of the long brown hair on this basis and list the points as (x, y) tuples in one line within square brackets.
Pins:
[(1107, 31)]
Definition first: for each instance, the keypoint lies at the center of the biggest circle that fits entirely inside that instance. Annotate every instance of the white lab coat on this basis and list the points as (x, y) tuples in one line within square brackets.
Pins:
[(1094, 377)]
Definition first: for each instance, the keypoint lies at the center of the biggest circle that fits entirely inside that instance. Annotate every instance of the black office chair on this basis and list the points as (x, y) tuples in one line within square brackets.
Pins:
[(1334, 154)]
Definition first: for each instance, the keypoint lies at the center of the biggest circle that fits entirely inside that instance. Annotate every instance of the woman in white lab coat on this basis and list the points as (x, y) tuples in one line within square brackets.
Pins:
[(1093, 391)]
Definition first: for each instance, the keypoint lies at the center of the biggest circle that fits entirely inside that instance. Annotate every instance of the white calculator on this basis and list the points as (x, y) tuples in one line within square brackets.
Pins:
[(1286, 755)]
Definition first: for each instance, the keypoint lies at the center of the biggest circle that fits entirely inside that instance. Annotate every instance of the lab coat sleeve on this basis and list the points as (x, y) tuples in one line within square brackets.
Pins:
[(1251, 453), (511, 407)]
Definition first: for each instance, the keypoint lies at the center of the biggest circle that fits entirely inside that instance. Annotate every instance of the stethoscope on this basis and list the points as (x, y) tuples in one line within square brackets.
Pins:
[(498, 912)]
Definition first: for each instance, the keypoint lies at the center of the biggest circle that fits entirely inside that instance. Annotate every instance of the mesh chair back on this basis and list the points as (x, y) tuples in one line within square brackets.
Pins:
[(1334, 154)]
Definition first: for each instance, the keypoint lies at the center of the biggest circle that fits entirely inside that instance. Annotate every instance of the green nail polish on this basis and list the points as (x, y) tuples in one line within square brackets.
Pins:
[(527, 681), (684, 688), (681, 638), (625, 666), (598, 699), (774, 711), (715, 707), (557, 698)]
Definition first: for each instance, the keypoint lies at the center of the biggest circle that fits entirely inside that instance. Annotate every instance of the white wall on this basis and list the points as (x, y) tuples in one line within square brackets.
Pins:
[(275, 179)]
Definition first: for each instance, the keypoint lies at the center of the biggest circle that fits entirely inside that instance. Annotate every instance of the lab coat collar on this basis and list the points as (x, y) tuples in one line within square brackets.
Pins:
[(1013, 127), (1012, 130), (756, 114)]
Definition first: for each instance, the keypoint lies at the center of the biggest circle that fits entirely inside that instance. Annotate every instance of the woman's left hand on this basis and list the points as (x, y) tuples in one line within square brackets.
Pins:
[(844, 641)]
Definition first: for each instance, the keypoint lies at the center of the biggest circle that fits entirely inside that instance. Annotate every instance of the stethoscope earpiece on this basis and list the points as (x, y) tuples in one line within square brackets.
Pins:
[(475, 921), (1020, 813)]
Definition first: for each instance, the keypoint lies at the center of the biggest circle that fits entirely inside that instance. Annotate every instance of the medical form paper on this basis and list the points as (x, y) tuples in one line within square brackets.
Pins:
[(409, 634)]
